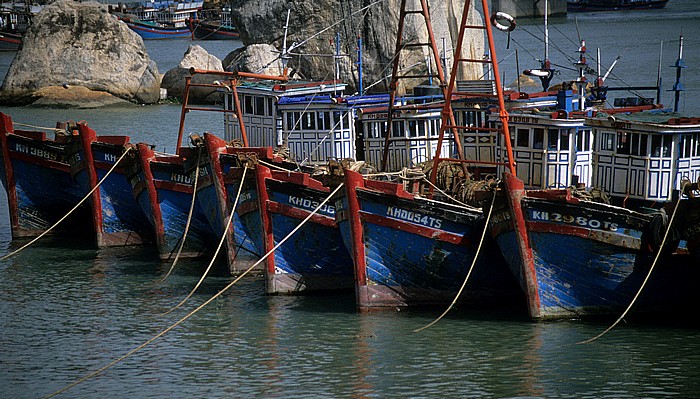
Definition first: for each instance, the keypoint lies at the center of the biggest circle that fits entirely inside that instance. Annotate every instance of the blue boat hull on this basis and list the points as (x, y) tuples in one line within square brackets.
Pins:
[(410, 251), (572, 258), (314, 257), (164, 191), (117, 218), (30, 167), (148, 32)]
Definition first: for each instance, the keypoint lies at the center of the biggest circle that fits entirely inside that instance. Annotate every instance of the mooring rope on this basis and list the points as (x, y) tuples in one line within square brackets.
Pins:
[(644, 283), (218, 294), (273, 166), (71, 211), (51, 129), (189, 218), (218, 248), (464, 284)]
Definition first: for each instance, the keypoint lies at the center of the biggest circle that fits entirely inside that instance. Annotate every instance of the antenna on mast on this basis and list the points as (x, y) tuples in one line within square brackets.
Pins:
[(679, 65), (545, 73)]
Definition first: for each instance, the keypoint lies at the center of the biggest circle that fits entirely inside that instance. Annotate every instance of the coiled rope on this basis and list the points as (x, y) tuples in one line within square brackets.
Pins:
[(464, 284), (218, 248), (189, 219), (218, 294), (72, 210), (644, 283)]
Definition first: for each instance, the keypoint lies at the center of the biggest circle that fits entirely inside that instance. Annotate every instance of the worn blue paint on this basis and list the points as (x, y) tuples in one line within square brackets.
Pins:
[(314, 249), (174, 208), (209, 200), (37, 210), (120, 211), (577, 274)]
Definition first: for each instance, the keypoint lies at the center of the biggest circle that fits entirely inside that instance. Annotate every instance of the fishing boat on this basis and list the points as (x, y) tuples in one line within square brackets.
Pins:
[(156, 30), (10, 41), (613, 5), (212, 30), (213, 25), (159, 19), (163, 186), (36, 175), (314, 258), (411, 245), (95, 162)]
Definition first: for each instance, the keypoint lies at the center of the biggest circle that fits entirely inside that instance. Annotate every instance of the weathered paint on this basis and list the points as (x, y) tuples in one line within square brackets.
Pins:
[(412, 251), (117, 218), (573, 258), (164, 191), (314, 258)]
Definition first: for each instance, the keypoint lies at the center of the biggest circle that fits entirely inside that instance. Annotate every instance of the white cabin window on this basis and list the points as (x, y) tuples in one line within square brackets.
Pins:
[(523, 137), (607, 141), (552, 138), (259, 106), (583, 140), (661, 145), (538, 139), (247, 105), (308, 122), (564, 138), (397, 129)]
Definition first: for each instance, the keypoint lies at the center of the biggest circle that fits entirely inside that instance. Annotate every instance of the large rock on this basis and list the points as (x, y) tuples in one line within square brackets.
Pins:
[(255, 58), (198, 58), (263, 21), (80, 44)]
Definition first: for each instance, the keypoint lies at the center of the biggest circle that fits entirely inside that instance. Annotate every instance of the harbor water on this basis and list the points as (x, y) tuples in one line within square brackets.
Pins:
[(68, 310)]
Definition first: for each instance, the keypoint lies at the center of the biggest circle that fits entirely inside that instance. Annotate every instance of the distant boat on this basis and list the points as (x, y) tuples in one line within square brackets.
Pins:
[(10, 41), (156, 30), (159, 20), (211, 30), (613, 5)]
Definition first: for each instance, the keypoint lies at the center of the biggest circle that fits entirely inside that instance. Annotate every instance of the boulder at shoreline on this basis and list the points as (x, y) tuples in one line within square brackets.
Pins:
[(79, 48)]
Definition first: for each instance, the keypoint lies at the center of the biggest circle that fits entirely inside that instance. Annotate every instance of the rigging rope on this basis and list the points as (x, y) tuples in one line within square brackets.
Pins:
[(651, 269), (207, 302), (127, 149), (221, 242), (189, 218)]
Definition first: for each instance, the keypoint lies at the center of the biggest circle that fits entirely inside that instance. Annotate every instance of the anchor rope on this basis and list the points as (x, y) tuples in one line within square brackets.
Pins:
[(72, 210), (218, 248), (200, 307), (644, 283), (273, 166), (464, 284), (189, 218), (50, 129)]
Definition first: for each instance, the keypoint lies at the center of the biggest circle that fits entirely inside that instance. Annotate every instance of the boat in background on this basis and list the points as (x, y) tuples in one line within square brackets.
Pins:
[(156, 30), (213, 24), (36, 175), (117, 219), (158, 19), (10, 41), (613, 5)]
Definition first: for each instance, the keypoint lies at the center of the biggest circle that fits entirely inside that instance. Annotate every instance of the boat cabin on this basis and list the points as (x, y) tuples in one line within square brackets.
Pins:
[(317, 129), (259, 106), (644, 156), (414, 135)]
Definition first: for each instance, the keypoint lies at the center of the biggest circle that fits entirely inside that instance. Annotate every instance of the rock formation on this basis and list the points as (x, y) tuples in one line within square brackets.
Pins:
[(314, 24), (73, 44), (198, 58)]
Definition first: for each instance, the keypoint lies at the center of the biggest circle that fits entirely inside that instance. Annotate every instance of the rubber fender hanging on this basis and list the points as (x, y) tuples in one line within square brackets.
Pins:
[(499, 16), (659, 224)]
